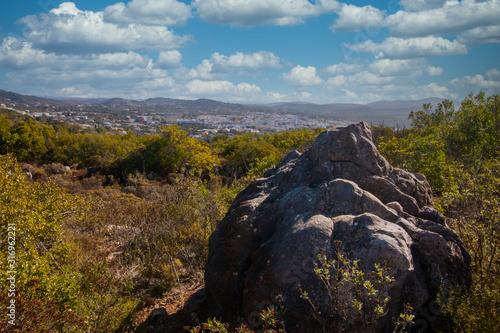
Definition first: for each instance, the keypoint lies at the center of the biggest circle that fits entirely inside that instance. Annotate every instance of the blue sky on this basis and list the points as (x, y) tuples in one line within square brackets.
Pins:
[(258, 51)]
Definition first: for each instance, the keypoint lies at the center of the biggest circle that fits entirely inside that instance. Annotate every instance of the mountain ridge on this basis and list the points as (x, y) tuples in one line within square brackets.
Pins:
[(389, 113)]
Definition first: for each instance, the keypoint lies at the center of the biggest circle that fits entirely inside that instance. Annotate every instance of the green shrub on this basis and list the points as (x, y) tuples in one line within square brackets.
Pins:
[(51, 274), (459, 152), (357, 300)]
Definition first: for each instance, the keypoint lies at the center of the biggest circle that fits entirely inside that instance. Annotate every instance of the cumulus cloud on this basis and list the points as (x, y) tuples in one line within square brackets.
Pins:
[(351, 90), (344, 68), (369, 78), (352, 18), (202, 71), (303, 95), (416, 47), (246, 13), (481, 35), (489, 82), (303, 76), (337, 81), (389, 79), (452, 18), (169, 59), (110, 74), (435, 90), (197, 87), (15, 54), (228, 91), (275, 97), (239, 60), (420, 5), (370, 86), (493, 75), (220, 65), (118, 82), (149, 12), (382, 78), (67, 29), (404, 67)]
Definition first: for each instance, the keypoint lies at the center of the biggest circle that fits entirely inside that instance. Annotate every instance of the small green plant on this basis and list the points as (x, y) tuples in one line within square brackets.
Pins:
[(404, 319), (212, 325), (357, 300), (272, 322), (273, 319)]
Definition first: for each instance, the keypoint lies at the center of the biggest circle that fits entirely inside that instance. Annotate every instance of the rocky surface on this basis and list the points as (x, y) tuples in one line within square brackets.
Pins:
[(341, 189)]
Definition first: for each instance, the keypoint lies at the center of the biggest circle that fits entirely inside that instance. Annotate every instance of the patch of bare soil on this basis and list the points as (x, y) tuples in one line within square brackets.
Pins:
[(166, 315)]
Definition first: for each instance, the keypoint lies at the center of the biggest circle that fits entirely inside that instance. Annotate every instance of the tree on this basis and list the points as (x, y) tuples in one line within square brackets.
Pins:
[(29, 141), (5, 136)]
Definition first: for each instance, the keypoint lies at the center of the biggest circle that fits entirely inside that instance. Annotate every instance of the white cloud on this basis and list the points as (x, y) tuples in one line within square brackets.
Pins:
[(344, 68), (337, 81), (350, 94), (390, 79), (305, 95), (493, 75), (169, 59), (220, 65), (404, 67), (118, 82), (67, 29), (481, 35), (202, 71), (66, 8), (452, 18), (110, 61), (352, 18), (149, 12), (417, 47), (257, 60), (107, 74), (434, 71), (228, 91), (303, 76), (385, 79), (261, 12), (197, 87), (275, 97), (74, 92), (489, 82), (352, 91), (368, 78), (435, 90), (15, 54), (420, 5)]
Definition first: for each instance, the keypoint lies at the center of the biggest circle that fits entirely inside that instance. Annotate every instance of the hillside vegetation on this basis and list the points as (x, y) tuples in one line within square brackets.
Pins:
[(104, 223), (459, 152)]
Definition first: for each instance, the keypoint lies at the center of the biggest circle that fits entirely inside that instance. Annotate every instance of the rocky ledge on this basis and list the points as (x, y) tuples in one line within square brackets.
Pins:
[(341, 189)]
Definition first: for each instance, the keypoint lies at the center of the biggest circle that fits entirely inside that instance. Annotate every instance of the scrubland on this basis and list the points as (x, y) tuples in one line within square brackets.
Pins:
[(107, 224)]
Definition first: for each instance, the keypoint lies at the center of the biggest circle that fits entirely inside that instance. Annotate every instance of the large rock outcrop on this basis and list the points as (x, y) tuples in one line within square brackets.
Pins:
[(341, 189)]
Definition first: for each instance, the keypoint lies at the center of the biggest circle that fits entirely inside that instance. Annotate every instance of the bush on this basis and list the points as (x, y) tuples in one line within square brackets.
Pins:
[(357, 300), (52, 273), (459, 152)]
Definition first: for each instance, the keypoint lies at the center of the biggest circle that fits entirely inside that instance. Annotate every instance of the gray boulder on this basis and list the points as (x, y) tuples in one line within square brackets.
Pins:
[(341, 189)]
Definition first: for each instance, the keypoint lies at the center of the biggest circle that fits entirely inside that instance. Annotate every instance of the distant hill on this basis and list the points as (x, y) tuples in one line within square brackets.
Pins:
[(390, 113), (6, 96)]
